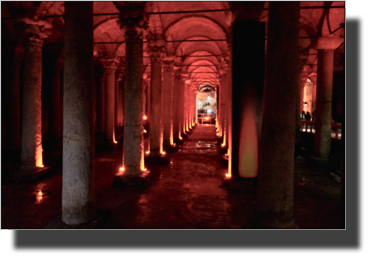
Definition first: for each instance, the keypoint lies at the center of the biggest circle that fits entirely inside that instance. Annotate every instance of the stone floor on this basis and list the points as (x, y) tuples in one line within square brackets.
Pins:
[(187, 193)]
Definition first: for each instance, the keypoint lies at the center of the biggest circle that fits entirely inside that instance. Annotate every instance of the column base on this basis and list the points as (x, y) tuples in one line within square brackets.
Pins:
[(171, 148), (240, 184), (316, 162), (156, 159), (179, 142), (31, 175), (121, 179), (101, 220)]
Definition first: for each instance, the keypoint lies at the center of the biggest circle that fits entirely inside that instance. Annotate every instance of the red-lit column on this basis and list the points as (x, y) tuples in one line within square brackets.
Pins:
[(313, 79), (110, 66), (224, 71), (132, 21), (120, 101), (275, 186), (248, 59), (78, 127), (168, 103), (31, 132), (186, 117), (325, 47), (14, 133), (148, 93), (156, 51), (176, 103), (182, 104)]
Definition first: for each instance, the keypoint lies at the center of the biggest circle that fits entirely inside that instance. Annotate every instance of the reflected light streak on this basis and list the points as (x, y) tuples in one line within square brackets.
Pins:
[(39, 197)]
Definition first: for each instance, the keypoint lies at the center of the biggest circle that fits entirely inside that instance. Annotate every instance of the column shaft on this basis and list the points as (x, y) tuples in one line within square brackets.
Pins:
[(78, 128), (176, 106), (275, 187), (155, 121), (168, 104), (31, 146), (324, 102)]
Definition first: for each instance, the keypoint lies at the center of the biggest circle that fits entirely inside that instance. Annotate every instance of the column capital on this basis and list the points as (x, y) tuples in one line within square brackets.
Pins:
[(35, 31), (133, 18), (326, 43), (110, 65), (156, 49), (313, 77), (168, 66)]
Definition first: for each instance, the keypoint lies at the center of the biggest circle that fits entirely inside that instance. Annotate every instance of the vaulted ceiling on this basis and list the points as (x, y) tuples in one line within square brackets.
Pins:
[(197, 33)]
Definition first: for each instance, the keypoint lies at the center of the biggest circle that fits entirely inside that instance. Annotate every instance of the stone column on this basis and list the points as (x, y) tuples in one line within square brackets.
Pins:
[(248, 59), (325, 47), (31, 132), (168, 103), (182, 123), (78, 127), (110, 66), (276, 160), (156, 51), (14, 126), (186, 108), (176, 105), (120, 101), (133, 21), (224, 95), (313, 79)]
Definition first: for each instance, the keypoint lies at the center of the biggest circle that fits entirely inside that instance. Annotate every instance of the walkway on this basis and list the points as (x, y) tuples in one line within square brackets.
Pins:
[(186, 194)]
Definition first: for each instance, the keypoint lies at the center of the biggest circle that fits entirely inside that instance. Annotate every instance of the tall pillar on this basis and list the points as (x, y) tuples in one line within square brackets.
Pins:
[(275, 186), (14, 127), (110, 66), (248, 62), (78, 127), (156, 51), (120, 100), (176, 105), (325, 47), (182, 123), (132, 21), (223, 105), (31, 132), (168, 103), (313, 79), (186, 107)]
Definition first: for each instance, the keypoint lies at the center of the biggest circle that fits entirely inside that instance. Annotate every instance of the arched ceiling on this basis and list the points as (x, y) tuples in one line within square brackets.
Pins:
[(179, 22)]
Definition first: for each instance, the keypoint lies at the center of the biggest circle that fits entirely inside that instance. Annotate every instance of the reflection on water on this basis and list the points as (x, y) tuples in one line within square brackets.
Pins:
[(39, 197)]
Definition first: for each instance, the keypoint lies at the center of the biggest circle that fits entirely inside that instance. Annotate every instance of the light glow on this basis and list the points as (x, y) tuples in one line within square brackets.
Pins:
[(147, 152), (145, 131), (228, 175), (163, 152), (121, 169), (145, 117), (39, 197)]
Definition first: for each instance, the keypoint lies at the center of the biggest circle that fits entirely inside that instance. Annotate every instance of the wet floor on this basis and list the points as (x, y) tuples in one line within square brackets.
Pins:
[(187, 193)]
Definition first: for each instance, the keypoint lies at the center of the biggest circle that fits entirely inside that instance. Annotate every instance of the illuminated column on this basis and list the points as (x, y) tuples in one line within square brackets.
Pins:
[(313, 79), (78, 128), (301, 80), (275, 186), (132, 21), (182, 123), (186, 117), (110, 66), (176, 103), (247, 79), (156, 51), (224, 101), (14, 135), (168, 102), (31, 131), (120, 101), (325, 47)]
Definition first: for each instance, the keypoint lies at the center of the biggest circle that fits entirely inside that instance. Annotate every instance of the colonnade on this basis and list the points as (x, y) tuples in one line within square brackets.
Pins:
[(260, 145)]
